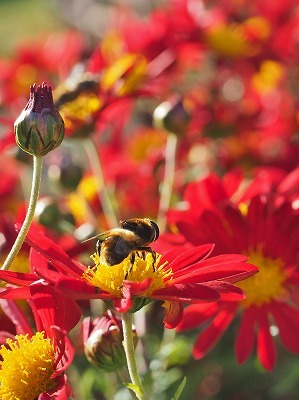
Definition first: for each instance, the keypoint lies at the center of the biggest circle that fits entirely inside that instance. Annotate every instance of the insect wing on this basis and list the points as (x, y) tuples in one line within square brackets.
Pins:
[(123, 246), (101, 236)]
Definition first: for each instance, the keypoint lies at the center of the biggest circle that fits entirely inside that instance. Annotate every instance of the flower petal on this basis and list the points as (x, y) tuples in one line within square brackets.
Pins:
[(265, 345), (173, 314), (64, 351), (230, 271), (227, 291), (196, 314), (15, 293), (54, 308), (245, 338), (125, 303), (17, 278), (188, 257), (53, 253), (39, 264), (17, 316), (79, 289), (287, 320), (210, 336), (187, 292)]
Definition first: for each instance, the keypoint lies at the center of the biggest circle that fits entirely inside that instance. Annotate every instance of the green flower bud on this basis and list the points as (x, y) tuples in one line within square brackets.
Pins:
[(103, 338), (39, 128)]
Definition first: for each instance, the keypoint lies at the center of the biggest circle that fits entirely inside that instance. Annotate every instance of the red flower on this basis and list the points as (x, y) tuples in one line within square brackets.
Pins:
[(265, 228), (175, 277), (43, 355)]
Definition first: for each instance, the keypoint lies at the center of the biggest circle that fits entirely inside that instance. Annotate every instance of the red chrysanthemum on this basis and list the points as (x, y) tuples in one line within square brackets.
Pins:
[(176, 277), (33, 364), (265, 228)]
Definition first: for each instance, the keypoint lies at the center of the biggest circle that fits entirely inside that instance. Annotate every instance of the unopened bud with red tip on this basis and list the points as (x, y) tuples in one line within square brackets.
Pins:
[(39, 128), (103, 338)]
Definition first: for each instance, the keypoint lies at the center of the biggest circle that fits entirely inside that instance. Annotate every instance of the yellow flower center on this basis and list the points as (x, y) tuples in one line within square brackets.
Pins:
[(80, 109), (26, 367), (110, 278), (267, 284)]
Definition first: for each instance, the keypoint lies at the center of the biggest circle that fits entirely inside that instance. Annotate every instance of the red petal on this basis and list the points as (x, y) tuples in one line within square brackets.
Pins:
[(245, 338), (227, 291), (188, 257), (18, 278), (129, 290), (78, 289), (265, 345), (62, 390), (15, 293), (287, 320), (125, 303), (137, 288), (53, 253), (196, 314), (54, 308), (186, 293), (16, 315), (228, 271), (64, 351), (237, 226), (210, 336), (173, 314)]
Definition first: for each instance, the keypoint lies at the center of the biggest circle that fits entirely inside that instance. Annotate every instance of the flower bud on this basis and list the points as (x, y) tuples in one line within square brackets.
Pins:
[(103, 339), (39, 128), (173, 116)]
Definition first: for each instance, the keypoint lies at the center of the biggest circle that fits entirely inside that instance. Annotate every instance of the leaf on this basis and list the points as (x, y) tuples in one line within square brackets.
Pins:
[(180, 389), (134, 388)]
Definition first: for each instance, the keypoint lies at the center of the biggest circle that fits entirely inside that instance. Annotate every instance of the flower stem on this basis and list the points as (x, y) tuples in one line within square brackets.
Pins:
[(37, 173), (167, 184), (127, 320), (104, 196)]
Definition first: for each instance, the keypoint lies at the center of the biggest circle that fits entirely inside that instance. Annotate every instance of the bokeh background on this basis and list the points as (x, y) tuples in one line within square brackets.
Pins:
[(32, 27)]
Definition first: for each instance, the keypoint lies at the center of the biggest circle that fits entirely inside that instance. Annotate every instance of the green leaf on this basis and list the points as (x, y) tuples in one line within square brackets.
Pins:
[(134, 388), (180, 389)]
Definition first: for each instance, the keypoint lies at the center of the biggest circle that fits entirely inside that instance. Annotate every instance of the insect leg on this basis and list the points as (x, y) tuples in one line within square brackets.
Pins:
[(132, 260), (149, 250)]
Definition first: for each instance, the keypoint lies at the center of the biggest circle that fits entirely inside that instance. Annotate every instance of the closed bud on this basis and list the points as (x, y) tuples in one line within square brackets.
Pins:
[(103, 342), (173, 116), (39, 128)]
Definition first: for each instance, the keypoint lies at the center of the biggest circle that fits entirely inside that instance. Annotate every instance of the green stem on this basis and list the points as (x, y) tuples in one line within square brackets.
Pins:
[(104, 196), (167, 184), (127, 320), (36, 179)]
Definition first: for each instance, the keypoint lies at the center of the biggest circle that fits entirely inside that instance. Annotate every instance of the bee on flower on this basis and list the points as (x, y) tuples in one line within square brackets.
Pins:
[(177, 277)]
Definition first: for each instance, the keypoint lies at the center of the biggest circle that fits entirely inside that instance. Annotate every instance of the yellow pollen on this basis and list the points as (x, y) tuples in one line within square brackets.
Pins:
[(110, 278), (26, 367), (267, 284)]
